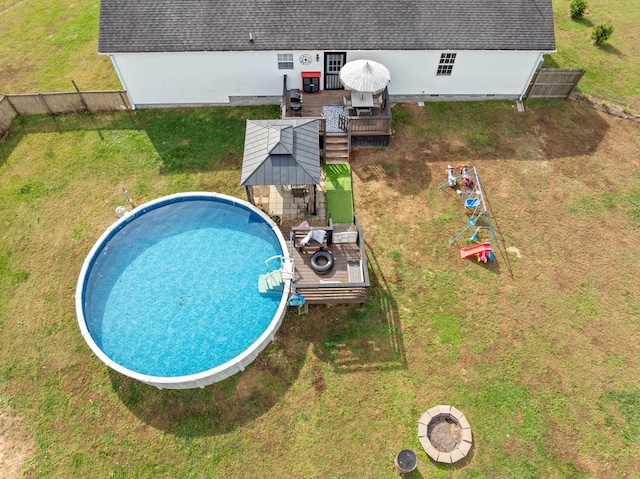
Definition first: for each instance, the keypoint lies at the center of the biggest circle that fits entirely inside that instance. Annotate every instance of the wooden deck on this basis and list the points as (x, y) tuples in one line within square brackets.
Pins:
[(312, 103), (379, 124), (339, 274), (348, 279)]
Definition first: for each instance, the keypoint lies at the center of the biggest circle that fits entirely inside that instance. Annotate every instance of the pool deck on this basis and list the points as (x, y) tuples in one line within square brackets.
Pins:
[(339, 274), (348, 280)]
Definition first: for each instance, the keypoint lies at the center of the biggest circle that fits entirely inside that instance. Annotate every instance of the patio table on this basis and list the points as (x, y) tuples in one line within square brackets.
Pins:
[(362, 102), (361, 99)]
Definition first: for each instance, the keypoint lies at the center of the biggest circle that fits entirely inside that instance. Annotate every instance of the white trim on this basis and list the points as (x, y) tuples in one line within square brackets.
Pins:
[(122, 81)]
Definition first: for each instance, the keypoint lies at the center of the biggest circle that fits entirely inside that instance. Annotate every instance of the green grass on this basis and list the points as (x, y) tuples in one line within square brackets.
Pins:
[(538, 352), (613, 69), (342, 380), (339, 193), (45, 45)]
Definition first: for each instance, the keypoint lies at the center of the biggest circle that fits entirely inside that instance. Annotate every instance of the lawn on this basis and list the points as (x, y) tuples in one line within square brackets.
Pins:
[(44, 45), (537, 349), (611, 70)]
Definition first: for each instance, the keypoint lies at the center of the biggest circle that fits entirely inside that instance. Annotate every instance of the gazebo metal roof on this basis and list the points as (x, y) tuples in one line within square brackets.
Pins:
[(281, 152)]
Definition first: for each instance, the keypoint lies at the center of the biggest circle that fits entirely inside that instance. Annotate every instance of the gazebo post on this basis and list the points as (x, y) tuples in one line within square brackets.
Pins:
[(249, 190)]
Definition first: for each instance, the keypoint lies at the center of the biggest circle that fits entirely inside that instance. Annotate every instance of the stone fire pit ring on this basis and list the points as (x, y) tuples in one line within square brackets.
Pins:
[(445, 434)]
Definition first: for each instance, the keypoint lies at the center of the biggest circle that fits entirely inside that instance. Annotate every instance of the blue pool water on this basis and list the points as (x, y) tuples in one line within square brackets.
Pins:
[(173, 291)]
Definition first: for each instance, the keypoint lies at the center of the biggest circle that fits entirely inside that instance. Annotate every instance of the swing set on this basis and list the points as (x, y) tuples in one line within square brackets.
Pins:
[(474, 201)]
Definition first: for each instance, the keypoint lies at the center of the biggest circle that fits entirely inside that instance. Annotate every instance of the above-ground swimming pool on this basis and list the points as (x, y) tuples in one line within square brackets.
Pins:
[(169, 293)]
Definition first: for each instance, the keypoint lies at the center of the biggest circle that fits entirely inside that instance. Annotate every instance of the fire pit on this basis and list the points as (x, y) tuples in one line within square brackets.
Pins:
[(445, 434)]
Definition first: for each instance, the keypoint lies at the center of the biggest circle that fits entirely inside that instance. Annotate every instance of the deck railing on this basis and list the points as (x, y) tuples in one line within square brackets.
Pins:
[(373, 124), (361, 125)]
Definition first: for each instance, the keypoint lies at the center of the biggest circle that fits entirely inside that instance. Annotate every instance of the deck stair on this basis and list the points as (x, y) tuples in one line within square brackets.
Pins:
[(336, 148), (334, 295)]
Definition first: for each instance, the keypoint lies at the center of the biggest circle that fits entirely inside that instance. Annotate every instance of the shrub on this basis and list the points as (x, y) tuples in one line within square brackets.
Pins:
[(577, 8), (602, 33)]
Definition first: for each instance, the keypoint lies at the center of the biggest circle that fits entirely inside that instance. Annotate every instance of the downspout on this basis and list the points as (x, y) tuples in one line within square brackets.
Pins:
[(533, 72)]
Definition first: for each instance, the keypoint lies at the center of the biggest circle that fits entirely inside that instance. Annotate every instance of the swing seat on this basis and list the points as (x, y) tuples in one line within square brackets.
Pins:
[(472, 202)]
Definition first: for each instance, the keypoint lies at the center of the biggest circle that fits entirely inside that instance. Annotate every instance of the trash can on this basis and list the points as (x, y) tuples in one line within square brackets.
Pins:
[(406, 461)]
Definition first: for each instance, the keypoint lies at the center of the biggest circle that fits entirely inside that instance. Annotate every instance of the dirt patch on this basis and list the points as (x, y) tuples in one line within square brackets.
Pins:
[(606, 107), (15, 444), (444, 433)]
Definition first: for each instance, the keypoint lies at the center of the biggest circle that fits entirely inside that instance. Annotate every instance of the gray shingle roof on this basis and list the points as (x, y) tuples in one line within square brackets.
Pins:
[(281, 152), (225, 25)]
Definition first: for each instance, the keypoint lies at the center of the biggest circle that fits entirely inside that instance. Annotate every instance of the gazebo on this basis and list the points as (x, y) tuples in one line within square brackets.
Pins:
[(282, 152)]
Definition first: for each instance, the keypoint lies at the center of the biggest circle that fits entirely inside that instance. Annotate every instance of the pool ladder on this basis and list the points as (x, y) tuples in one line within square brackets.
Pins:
[(273, 281)]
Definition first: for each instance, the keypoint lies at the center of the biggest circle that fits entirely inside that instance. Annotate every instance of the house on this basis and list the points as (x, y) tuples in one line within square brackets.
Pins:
[(200, 52)]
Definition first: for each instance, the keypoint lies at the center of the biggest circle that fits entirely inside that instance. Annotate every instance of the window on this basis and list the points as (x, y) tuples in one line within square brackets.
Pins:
[(285, 61), (446, 63)]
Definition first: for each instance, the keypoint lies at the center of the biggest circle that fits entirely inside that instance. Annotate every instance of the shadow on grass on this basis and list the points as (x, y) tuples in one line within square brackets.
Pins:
[(201, 139), (367, 338), (220, 407), (463, 133), (186, 140), (415, 474), (610, 49), (39, 124), (549, 62), (584, 21)]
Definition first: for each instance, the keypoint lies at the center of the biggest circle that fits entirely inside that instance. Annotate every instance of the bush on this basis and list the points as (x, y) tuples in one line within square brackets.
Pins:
[(577, 8), (602, 33)]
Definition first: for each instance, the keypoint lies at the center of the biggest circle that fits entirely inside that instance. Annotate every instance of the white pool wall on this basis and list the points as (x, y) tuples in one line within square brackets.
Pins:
[(204, 378)]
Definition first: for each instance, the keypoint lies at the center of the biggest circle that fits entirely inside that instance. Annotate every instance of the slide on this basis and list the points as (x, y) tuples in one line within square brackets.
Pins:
[(476, 250)]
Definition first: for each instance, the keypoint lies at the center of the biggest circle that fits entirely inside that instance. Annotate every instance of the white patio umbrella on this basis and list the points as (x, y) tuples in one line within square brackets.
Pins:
[(365, 76)]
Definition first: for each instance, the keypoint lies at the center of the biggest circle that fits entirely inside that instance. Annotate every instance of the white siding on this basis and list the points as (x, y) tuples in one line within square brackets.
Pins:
[(201, 78), (500, 73), (204, 78)]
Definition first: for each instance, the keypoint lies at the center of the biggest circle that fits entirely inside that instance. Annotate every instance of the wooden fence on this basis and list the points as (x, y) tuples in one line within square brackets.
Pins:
[(553, 83), (12, 106)]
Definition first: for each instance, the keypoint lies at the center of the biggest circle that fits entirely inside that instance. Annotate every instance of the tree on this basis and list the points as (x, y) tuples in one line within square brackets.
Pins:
[(577, 8), (602, 33)]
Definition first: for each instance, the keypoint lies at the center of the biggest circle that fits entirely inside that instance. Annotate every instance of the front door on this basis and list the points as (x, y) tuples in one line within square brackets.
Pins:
[(332, 64)]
